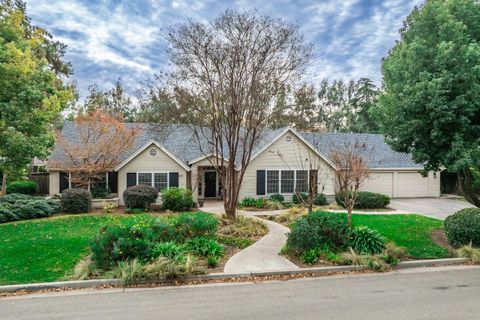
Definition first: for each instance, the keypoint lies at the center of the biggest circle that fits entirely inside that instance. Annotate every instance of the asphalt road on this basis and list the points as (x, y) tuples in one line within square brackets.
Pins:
[(452, 294)]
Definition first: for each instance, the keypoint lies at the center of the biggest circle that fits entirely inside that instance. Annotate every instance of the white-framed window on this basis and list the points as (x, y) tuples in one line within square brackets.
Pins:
[(287, 182), (144, 178), (301, 180), (158, 180), (272, 181)]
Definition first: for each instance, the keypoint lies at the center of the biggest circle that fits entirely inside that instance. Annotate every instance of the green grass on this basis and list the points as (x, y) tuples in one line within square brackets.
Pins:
[(45, 249), (411, 231)]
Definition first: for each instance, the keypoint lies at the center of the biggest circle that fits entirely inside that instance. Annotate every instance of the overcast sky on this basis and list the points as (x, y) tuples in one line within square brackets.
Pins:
[(108, 39)]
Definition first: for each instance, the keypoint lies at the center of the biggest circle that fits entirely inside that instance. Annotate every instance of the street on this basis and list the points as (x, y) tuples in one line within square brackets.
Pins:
[(451, 293)]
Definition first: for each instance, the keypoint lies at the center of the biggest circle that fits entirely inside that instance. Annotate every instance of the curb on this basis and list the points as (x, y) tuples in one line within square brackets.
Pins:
[(91, 284)]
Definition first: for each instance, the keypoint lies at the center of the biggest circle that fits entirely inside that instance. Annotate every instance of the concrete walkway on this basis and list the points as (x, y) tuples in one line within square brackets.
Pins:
[(263, 254), (439, 208)]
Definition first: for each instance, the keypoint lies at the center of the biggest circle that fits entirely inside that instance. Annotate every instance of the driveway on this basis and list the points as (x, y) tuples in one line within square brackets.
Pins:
[(439, 208)]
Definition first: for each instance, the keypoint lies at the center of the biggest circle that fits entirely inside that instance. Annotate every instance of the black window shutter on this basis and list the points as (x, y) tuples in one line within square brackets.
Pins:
[(173, 179), (113, 182), (131, 179), (63, 181), (260, 182)]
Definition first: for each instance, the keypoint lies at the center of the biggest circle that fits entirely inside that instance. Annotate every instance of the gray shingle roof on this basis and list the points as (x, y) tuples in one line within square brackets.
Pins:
[(181, 141)]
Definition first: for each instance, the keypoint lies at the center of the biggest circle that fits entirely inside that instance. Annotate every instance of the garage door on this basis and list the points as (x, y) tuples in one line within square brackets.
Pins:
[(381, 182), (411, 184)]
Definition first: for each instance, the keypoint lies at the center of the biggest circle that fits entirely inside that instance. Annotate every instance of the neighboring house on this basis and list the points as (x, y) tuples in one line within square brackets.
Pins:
[(170, 156)]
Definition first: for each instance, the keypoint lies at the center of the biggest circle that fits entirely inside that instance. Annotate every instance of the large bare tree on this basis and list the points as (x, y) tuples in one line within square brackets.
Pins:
[(228, 73)]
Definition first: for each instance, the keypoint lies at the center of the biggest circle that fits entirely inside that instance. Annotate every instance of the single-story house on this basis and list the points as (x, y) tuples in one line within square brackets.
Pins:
[(282, 161)]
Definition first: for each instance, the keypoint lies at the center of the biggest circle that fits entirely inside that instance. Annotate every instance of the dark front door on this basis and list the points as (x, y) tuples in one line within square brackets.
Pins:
[(210, 184)]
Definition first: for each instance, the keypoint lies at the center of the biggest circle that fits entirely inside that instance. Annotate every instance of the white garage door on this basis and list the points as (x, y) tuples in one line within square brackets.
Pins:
[(411, 184), (381, 182)]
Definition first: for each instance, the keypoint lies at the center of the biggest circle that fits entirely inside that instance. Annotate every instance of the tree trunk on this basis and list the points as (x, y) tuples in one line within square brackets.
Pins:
[(3, 191), (465, 184), (349, 216)]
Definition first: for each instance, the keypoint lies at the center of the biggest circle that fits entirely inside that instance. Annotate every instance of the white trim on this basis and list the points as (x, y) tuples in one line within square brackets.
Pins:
[(299, 136), (396, 169), (144, 147)]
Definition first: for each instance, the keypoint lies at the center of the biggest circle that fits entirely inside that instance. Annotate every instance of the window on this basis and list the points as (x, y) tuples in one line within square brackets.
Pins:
[(272, 182), (161, 181), (145, 179), (158, 180), (301, 181), (287, 181)]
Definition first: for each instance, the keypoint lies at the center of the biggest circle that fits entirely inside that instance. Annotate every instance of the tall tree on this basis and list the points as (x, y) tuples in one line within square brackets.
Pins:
[(229, 73), (32, 89), (431, 78), (113, 101)]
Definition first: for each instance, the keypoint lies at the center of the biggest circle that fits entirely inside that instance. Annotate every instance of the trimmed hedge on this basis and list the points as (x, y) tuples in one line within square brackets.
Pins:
[(366, 200), (15, 207), (22, 187), (463, 227), (140, 197), (177, 199), (76, 200)]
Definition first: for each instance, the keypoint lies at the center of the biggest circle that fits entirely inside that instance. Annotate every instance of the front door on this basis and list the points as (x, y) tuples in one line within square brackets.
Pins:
[(210, 184)]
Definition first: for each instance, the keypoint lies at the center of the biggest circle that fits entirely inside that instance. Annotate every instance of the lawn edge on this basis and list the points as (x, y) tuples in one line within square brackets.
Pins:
[(98, 283)]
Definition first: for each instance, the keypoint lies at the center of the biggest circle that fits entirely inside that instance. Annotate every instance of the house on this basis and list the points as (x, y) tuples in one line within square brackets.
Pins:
[(282, 161)]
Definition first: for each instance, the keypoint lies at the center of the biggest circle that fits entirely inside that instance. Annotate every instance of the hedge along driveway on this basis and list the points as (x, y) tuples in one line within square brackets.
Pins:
[(45, 249)]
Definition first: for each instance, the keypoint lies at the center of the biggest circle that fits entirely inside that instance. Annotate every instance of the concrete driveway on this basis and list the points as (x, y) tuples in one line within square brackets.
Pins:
[(439, 208)]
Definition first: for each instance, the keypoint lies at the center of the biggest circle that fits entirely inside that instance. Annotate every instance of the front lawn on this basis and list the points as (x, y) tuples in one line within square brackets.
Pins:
[(45, 249), (411, 231)]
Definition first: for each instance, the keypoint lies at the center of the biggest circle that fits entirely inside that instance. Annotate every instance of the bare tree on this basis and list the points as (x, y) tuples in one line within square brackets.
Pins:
[(351, 171), (228, 73), (101, 141)]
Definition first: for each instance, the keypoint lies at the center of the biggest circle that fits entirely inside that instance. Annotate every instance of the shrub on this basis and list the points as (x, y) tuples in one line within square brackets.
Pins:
[(319, 230), (76, 200), (204, 246), (99, 192), (168, 249), (14, 207), (320, 200), (310, 256), (107, 207), (177, 199), (140, 197), (394, 254), (366, 200), (22, 187), (463, 227), (366, 240), (126, 240), (297, 199), (212, 261), (194, 224), (277, 197), (253, 202)]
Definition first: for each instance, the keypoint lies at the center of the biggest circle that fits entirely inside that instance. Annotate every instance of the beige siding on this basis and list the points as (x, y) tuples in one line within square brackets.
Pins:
[(54, 182), (144, 162), (287, 155), (380, 182)]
